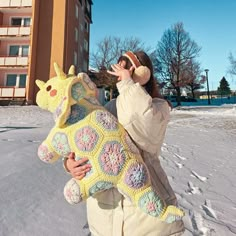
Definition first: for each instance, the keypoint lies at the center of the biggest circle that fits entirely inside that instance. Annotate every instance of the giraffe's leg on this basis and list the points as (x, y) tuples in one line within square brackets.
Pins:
[(72, 192), (46, 153), (136, 186), (151, 203), (76, 191)]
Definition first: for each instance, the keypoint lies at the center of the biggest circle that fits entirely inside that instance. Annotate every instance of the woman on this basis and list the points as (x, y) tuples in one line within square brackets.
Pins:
[(145, 115)]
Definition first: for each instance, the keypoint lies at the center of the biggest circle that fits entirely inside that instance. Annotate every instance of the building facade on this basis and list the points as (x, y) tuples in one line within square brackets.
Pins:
[(36, 33)]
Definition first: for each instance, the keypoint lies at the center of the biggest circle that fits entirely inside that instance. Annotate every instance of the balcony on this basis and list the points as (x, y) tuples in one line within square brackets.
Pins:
[(88, 14), (13, 31), (10, 61), (12, 92), (15, 3)]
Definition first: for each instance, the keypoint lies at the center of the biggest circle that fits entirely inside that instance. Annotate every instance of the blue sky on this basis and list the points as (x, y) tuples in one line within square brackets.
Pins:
[(211, 23)]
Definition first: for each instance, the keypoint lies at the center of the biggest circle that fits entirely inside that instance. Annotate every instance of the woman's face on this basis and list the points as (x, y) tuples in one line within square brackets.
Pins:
[(122, 63)]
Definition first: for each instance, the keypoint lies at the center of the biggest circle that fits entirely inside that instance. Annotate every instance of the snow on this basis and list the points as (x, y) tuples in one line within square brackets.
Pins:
[(198, 155)]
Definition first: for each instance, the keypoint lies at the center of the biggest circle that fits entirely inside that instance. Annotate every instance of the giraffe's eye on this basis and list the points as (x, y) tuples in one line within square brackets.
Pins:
[(49, 88)]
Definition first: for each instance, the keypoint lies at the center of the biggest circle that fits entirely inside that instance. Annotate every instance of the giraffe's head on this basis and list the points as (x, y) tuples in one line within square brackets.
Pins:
[(59, 93)]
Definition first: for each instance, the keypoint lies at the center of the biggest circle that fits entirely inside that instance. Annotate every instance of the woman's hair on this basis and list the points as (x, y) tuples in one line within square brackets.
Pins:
[(151, 86)]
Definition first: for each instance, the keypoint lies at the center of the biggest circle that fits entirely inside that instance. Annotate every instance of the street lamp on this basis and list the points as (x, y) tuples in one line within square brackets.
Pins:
[(208, 93)]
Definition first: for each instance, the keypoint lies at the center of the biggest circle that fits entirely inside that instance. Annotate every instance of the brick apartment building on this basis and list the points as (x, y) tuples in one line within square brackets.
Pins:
[(36, 33)]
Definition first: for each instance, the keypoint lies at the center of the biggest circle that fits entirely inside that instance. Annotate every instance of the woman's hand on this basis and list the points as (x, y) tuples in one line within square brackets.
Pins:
[(78, 169), (121, 72)]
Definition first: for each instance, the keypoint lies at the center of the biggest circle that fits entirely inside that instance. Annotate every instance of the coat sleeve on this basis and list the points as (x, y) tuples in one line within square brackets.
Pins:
[(144, 118)]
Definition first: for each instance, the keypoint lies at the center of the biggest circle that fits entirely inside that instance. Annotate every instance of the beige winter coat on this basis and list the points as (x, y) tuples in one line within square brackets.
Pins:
[(145, 119)]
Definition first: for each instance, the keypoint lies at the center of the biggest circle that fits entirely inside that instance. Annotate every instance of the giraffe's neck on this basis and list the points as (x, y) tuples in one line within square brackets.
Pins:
[(82, 108)]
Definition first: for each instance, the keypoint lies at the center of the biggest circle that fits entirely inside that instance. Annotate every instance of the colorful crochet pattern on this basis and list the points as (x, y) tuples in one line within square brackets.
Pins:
[(83, 126)]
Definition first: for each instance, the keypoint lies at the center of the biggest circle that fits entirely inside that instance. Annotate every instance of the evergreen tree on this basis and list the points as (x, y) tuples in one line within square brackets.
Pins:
[(224, 88)]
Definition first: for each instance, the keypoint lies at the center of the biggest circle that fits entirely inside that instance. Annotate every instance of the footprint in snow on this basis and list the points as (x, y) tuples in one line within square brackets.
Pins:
[(202, 178), (179, 165), (164, 149), (12, 140), (208, 209), (8, 139), (33, 141), (180, 157), (198, 224), (193, 189)]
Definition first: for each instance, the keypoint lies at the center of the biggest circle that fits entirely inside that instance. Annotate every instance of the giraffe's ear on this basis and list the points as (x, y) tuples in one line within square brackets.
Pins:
[(63, 106), (40, 83), (71, 96), (62, 112), (60, 74), (71, 70)]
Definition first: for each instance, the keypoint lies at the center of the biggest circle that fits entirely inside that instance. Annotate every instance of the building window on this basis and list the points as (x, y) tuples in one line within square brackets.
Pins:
[(16, 80), (19, 50), (22, 82), (25, 50), (81, 27), (88, 6), (85, 65), (75, 58), (86, 45), (16, 21), (27, 21), (14, 50), (86, 26), (76, 11), (11, 80), (76, 35), (20, 21)]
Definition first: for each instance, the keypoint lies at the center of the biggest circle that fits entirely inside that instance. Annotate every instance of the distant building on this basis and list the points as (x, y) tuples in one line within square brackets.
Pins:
[(36, 33)]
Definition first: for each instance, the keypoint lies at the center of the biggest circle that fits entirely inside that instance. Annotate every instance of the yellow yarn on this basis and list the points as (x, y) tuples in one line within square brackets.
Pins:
[(83, 126)]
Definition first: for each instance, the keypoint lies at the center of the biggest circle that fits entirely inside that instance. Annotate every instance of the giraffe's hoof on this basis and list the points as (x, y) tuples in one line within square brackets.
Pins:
[(72, 192)]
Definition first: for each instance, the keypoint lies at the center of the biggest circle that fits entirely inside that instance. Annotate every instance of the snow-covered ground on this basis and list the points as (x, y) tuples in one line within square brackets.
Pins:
[(198, 155)]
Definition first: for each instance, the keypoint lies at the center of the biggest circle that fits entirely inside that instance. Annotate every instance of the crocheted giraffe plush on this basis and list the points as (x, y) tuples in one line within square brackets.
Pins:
[(83, 126)]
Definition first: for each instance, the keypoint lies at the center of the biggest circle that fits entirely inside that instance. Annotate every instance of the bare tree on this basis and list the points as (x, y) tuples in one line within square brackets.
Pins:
[(111, 48), (192, 78), (174, 52), (232, 60), (107, 53), (134, 44)]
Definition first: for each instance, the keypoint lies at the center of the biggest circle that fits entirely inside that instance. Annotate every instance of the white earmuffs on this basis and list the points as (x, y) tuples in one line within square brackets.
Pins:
[(141, 73)]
